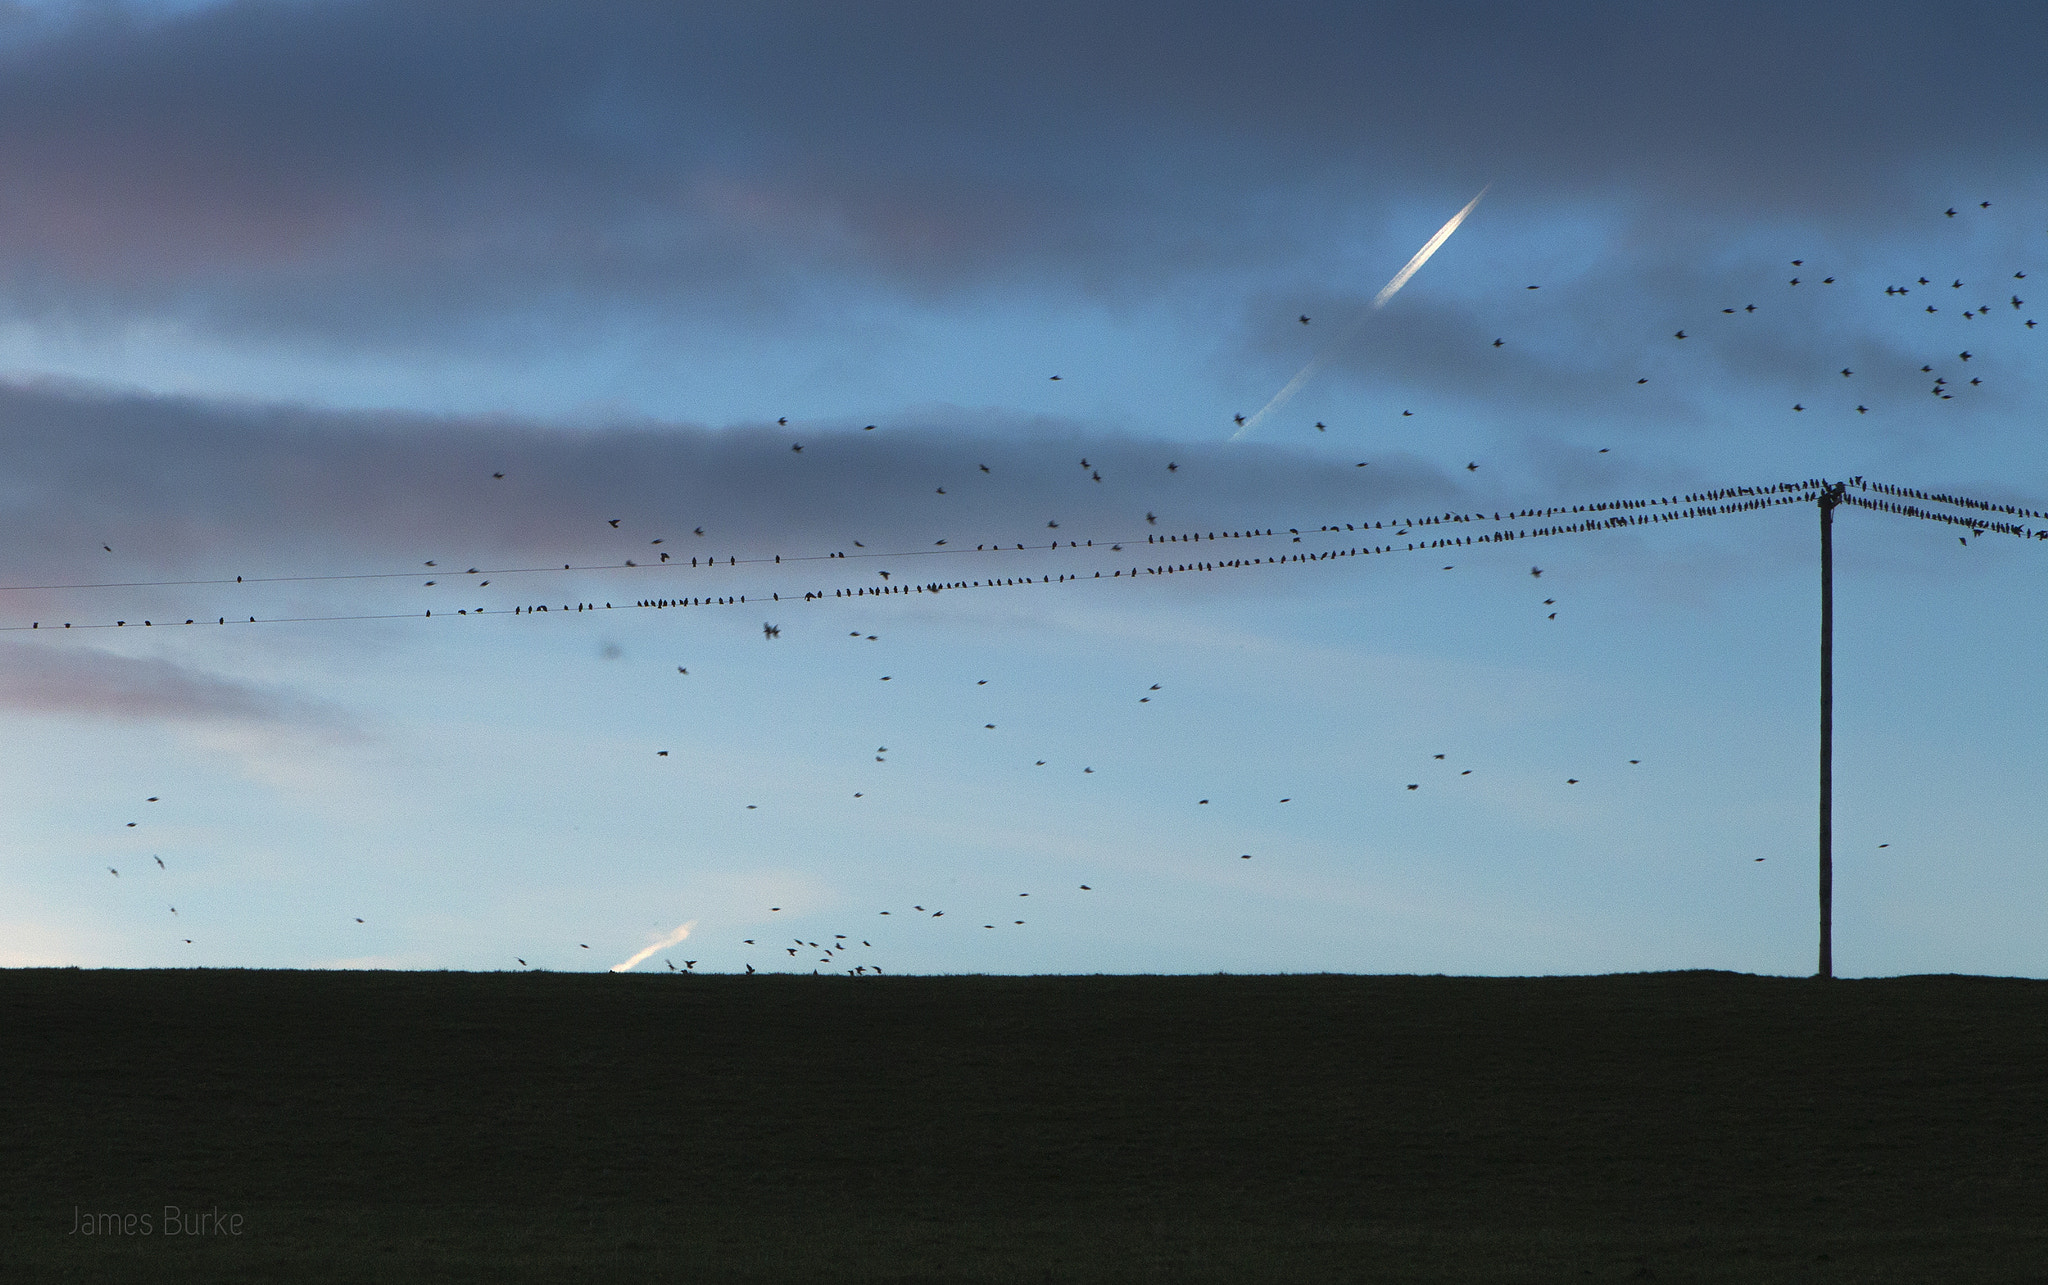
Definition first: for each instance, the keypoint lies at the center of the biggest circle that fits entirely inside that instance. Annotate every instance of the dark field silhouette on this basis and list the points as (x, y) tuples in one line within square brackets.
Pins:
[(486, 1127)]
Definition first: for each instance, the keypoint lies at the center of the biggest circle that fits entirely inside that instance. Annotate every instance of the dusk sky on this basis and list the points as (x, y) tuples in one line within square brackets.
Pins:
[(286, 287)]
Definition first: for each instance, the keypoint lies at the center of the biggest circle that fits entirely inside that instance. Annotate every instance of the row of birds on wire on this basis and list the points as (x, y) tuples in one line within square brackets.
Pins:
[(1367, 537)]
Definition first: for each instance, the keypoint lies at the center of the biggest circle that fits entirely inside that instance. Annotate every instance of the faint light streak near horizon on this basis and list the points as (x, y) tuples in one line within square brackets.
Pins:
[(681, 933)]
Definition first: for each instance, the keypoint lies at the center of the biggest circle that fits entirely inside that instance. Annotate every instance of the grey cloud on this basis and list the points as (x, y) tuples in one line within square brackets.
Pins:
[(71, 679), (395, 169), (181, 487)]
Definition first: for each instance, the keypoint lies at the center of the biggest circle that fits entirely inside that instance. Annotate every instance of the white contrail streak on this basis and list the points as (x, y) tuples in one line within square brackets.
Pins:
[(1379, 301), (670, 940)]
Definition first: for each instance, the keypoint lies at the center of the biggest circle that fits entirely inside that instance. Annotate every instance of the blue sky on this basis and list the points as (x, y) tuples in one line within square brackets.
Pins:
[(283, 286)]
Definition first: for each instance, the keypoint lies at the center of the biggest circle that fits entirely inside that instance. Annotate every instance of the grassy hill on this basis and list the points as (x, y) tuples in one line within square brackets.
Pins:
[(487, 1127)]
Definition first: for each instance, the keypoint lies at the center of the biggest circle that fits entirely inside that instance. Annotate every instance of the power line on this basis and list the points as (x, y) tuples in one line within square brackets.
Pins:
[(702, 562), (1599, 516)]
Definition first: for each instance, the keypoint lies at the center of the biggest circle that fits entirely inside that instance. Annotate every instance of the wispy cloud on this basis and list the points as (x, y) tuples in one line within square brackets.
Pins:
[(69, 680)]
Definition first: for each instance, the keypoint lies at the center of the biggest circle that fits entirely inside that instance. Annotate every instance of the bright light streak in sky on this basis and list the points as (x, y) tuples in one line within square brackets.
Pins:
[(1350, 332)]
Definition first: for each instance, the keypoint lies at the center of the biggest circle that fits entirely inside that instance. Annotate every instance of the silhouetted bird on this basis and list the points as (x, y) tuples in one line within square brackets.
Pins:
[(771, 631), (1302, 319), (613, 521)]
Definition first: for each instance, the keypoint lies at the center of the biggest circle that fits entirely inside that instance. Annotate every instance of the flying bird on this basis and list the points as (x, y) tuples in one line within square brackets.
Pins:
[(770, 631)]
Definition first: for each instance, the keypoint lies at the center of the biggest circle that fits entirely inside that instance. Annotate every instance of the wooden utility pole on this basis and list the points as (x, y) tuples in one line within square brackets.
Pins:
[(1830, 496)]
